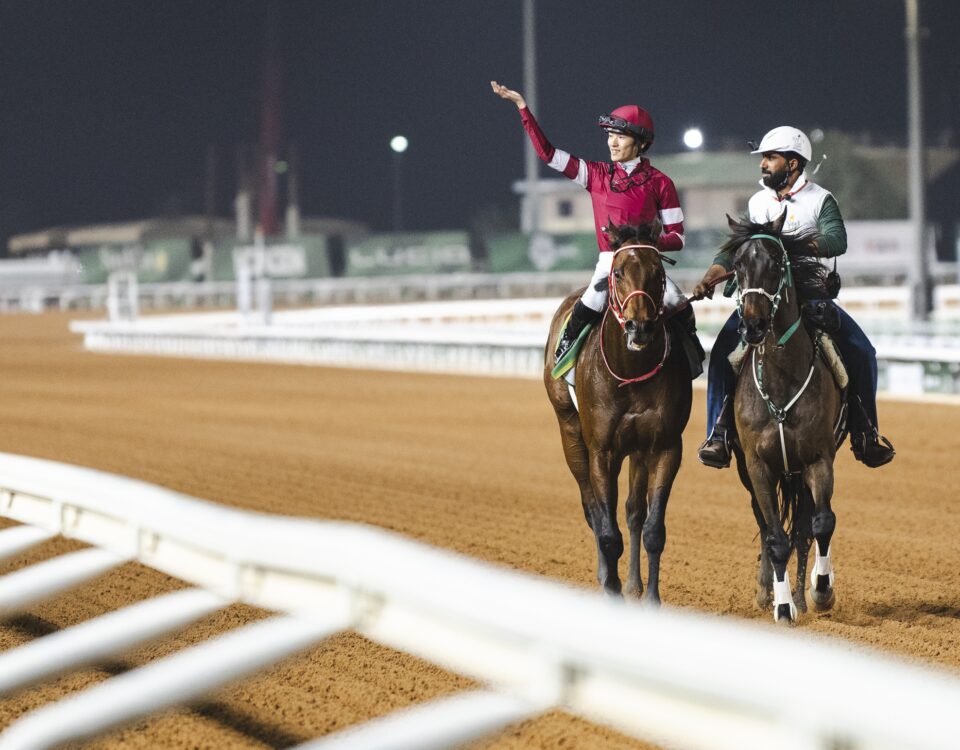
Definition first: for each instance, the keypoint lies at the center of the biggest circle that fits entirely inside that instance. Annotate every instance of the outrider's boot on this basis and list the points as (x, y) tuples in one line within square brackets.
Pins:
[(871, 448), (868, 445), (715, 451), (579, 317)]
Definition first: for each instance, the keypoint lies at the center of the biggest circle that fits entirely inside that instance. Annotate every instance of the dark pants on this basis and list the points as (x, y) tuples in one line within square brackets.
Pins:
[(859, 357)]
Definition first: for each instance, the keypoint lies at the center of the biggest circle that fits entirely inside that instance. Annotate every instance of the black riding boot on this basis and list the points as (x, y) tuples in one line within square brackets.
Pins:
[(684, 323), (579, 317), (715, 451), (868, 445)]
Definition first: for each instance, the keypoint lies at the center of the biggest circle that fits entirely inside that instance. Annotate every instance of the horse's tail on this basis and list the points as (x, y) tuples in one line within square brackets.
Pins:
[(796, 507)]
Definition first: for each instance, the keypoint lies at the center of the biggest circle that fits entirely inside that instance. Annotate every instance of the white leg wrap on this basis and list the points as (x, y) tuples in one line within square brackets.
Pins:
[(821, 566), (593, 298), (783, 595)]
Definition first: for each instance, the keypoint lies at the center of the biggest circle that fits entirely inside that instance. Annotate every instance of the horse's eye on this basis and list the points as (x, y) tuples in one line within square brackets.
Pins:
[(617, 274)]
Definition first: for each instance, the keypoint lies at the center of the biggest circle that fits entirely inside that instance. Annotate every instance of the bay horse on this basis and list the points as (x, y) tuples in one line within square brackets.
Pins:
[(633, 391), (788, 413)]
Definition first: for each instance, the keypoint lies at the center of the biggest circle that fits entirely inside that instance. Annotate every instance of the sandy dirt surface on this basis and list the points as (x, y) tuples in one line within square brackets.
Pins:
[(470, 464)]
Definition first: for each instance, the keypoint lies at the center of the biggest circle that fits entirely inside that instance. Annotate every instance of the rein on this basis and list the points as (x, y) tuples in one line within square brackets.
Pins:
[(616, 306)]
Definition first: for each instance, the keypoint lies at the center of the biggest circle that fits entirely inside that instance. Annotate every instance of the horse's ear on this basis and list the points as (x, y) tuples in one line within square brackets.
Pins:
[(732, 223), (611, 230), (656, 229), (776, 226)]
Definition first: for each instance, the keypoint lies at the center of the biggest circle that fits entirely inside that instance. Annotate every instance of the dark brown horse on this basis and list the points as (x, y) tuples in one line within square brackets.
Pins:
[(633, 391), (787, 407)]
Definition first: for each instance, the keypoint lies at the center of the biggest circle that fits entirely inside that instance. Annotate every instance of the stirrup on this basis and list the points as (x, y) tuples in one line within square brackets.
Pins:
[(880, 452), (715, 451)]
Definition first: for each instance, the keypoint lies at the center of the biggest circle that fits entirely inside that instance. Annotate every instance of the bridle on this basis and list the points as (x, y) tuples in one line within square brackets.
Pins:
[(616, 306), (779, 414), (782, 292)]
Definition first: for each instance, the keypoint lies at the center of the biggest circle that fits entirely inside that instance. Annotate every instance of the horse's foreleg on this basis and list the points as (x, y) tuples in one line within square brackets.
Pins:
[(602, 517), (764, 596), (636, 515), (655, 527), (819, 478), (802, 536), (775, 541)]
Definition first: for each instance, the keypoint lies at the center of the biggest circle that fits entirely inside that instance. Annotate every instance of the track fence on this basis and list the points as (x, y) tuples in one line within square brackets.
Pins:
[(672, 677)]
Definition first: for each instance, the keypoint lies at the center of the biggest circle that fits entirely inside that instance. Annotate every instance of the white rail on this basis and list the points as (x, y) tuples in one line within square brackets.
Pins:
[(668, 676), (489, 337)]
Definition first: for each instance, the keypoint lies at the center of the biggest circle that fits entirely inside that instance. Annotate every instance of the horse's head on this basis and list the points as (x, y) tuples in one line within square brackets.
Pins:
[(637, 281), (763, 273)]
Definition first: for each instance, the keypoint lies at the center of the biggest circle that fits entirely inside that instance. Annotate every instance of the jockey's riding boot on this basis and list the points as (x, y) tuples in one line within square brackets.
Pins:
[(579, 317), (871, 448), (715, 451), (685, 324)]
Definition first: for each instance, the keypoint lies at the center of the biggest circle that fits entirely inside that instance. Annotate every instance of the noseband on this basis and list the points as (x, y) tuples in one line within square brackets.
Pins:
[(617, 306)]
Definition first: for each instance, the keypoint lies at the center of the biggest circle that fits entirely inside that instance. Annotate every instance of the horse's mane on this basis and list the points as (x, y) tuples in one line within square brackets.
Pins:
[(809, 276)]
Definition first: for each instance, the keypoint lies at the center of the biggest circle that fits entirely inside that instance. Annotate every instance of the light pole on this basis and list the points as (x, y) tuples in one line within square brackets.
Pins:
[(921, 291), (398, 144)]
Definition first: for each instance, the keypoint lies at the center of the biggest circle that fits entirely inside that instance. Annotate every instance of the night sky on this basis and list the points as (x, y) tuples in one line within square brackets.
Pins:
[(108, 107)]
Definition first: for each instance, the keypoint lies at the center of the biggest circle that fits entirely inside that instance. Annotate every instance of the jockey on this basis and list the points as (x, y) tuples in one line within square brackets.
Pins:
[(627, 191), (785, 152)]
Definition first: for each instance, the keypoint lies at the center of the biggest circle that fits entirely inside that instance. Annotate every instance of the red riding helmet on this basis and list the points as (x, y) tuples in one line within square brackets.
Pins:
[(630, 120)]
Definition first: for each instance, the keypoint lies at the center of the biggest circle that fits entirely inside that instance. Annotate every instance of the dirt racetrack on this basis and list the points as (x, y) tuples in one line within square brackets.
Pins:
[(469, 464)]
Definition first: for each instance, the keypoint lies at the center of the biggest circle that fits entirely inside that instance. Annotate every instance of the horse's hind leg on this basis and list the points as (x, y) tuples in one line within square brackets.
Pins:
[(636, 515), (819, 478)]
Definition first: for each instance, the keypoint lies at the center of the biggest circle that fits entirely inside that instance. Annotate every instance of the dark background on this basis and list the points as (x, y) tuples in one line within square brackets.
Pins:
[(108, 107)]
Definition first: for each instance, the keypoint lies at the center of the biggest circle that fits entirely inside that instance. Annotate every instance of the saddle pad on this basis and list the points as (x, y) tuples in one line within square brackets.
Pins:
[(569, 359), (831, 356)]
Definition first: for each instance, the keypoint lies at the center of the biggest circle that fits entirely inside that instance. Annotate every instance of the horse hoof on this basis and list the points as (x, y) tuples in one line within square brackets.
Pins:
[(632, 591), (823, 601), (764, 599), (801, 604), (650, 601), (783, 615)]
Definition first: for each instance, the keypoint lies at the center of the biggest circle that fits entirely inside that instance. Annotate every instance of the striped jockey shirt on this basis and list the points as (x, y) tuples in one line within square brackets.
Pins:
[(635, 197)]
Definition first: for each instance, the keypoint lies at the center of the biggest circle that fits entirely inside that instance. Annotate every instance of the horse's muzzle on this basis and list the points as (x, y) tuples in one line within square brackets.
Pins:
[(754, 329), (639, 334)]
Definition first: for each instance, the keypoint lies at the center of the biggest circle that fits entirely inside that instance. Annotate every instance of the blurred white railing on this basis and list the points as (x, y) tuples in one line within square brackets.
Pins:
[(668, 676)]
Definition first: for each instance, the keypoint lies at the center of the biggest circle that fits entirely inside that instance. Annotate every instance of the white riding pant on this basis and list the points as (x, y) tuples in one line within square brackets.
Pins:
[(596, 299)]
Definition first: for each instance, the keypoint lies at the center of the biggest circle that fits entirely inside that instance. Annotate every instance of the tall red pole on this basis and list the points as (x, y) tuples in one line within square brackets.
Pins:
[(271, 124)]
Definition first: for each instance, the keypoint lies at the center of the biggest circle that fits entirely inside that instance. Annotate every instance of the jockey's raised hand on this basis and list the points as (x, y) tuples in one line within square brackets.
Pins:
[(509, 94)]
